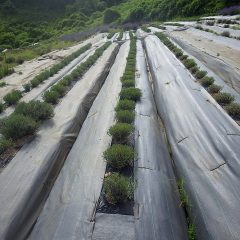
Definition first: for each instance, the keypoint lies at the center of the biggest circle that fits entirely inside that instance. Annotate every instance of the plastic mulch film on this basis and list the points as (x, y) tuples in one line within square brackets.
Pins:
[(28, 179), (159, 212), (205, 145), (69, 212)]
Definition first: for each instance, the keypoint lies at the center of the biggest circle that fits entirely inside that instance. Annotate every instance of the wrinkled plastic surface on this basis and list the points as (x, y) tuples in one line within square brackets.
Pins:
[(28, 179), (159, 212), (205, 145), (69, 211)]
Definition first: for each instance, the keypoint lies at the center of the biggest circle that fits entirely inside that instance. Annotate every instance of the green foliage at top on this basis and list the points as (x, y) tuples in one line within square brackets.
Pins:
[(111, 16)]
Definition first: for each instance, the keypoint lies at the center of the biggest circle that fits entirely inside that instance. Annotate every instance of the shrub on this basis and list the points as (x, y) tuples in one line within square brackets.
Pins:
[(27, 87), (125, 105), (233, 110), (1, 107), (19, 60), (51, 97), (225, 34), (178, 53), (118, 188), (119, 156), (4, 145), (35, 82), (35, 109), (214, 88), (12, 97), (120, 131), (223, 98), (133, 94), (128, 83), (125, 116), (17, 126), (190, 63), (207, 81), (60, 89), (193, 70), (200, 74), (183, 57)]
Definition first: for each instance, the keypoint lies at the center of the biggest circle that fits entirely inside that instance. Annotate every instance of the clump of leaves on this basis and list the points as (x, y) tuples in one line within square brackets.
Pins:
[(125, 116), (190, 63), (120, 132), (223, 98), (233, 110), (35, 109), (118, 188), (132, 93), (12, 97), (119, 156), (51, 97), (125, 105), (200, 74), (17, 126)]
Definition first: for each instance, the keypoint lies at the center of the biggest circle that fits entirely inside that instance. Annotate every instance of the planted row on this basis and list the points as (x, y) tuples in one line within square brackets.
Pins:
[(118, 187), (24, 121), (110, 35), (120, 37), (226, 100), (13, 97), (59, 90)]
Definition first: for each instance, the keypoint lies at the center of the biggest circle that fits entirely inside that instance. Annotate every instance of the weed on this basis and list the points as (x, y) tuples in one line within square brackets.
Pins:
[(119, 156)]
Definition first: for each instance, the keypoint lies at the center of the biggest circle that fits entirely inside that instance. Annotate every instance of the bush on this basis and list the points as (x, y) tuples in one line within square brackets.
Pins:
[(17, 126), (233, 110), (51, 97), (193, 70), (125, 116), (214, 89), (190, 63), (117, 188), (125, 105), (207, 81), (128, 83), (1, 107), (119, 156), (60, 89), (225, 34), (4, 145), (12, 97), (35, 82), (178, 53), (120, 131), (27, 87), (200, 74), (223, 98), (35, 109), (133, 94)]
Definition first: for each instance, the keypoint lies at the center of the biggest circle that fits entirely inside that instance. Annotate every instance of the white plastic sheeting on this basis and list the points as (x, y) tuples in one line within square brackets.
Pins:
[(159, 212), (70, 209), (205, 144), (28, 179)]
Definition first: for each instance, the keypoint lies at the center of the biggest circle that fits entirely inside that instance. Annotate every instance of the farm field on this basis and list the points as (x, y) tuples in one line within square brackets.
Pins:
[(132, 135)]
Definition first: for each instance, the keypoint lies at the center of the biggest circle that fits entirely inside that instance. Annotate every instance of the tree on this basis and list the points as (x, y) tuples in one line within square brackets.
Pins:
[(111, 16)]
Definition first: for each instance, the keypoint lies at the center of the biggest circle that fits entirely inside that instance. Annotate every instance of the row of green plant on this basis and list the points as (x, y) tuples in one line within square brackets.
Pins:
[(13, 97), (120, 37), (117, 187), (223, 34), (23, 122), (226, 100), (59, 90)]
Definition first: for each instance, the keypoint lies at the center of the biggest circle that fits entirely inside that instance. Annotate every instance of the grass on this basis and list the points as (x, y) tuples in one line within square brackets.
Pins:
[(13, 97), (119, 156), (125, 116), (233, 109), (17, 126), (132, 93), (37, 110), (118, 188), (120, 132), (223, 98)]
